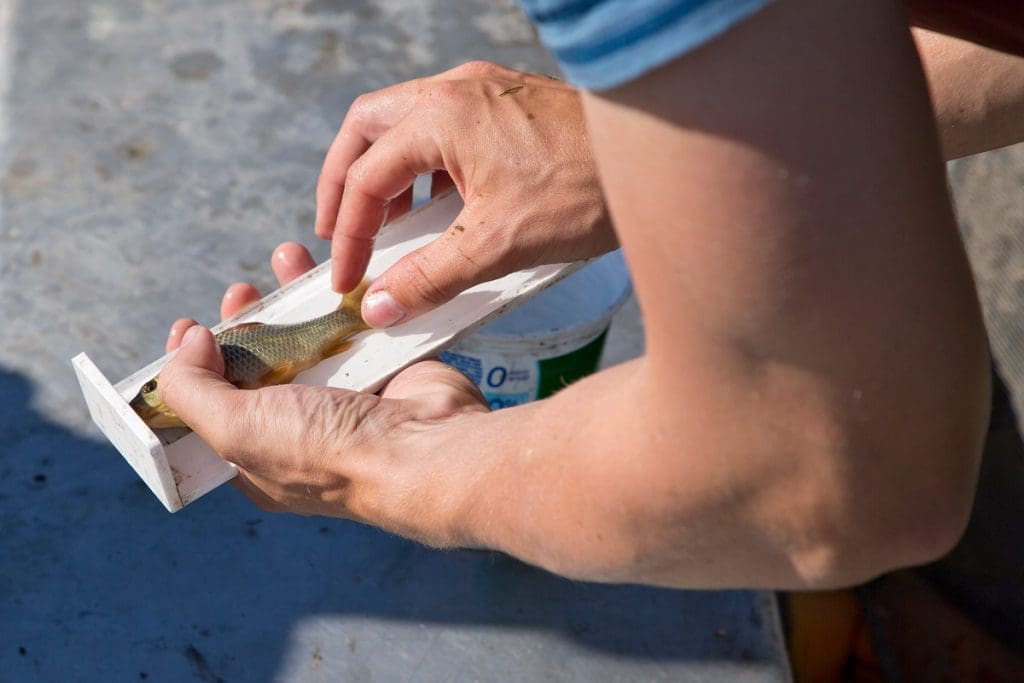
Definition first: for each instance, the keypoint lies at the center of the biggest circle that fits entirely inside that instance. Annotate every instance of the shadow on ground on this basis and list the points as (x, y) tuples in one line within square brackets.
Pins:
[(97, 581)]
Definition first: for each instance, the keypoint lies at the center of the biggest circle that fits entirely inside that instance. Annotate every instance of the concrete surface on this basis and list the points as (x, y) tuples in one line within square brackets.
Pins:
[(989, 193), (151, 153)]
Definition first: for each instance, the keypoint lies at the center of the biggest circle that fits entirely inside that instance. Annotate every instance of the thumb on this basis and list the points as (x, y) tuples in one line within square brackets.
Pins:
[(192, 384), (458, 259)]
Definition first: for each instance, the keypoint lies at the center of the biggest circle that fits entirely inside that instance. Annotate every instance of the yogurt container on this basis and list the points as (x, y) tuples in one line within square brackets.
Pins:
[(550, 341)]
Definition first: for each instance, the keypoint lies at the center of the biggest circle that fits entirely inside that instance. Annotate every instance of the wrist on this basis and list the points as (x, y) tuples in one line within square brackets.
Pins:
[(434, 500), (467, 494)]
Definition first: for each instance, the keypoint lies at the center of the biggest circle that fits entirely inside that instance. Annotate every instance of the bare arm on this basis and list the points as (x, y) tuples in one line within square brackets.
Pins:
[(977, 93), (812, 402), (813, 399)]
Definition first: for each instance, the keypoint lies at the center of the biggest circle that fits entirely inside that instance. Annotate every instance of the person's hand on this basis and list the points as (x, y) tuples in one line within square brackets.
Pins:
[(514, 145), (318, 450)]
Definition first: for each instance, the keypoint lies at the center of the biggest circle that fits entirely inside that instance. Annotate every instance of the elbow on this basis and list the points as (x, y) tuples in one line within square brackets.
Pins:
[(912, 508), (895, 486), (801, 531), (836, 497), (853, 551)]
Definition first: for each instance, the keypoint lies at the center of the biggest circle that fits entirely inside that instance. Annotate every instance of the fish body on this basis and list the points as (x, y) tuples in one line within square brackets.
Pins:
[(260, 355)]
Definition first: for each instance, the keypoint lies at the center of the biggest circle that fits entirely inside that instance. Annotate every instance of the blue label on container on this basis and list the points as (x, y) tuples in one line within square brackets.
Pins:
[(468, 365), (499, 400)]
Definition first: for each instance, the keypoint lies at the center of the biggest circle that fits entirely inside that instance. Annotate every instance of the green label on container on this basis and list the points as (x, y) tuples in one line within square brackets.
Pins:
[(559, 372)]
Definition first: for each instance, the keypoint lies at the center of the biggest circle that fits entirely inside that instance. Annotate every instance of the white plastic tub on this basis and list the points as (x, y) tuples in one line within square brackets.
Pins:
[(549, 342)]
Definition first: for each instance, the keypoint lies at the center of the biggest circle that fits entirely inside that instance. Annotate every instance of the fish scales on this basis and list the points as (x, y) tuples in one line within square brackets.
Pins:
[(252, 352), (258, 355)]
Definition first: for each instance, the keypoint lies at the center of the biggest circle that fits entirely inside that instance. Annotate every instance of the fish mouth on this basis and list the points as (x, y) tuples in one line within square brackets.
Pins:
[(154, 417), (141, 408)]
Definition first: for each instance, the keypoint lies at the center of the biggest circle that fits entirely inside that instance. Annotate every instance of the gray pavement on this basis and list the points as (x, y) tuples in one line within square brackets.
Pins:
[(989, 194), (151, 153)]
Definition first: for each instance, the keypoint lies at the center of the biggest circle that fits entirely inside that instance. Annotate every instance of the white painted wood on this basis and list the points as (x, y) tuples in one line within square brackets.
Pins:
[(126, 430), (188, 462)]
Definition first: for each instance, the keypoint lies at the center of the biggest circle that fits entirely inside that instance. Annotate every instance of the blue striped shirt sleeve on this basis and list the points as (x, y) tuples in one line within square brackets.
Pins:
[(604, 43)]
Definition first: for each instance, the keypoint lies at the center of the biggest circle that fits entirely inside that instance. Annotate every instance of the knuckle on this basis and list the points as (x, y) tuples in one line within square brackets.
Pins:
[(328, 418), (360, 174), (357, 175), (446, 92), (478, 67), (336, 415), (359, 110)]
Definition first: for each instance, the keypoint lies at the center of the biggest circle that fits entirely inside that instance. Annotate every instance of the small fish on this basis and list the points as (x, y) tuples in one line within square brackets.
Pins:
[(260, 355)]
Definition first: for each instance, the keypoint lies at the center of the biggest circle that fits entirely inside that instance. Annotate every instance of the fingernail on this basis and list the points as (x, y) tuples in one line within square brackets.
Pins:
[(381, 310), (190, 334)]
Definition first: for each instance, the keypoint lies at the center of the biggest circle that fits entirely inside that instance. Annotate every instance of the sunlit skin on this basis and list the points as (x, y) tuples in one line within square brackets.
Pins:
[(421, 394), (515, 148), (976, 93), (811, 404)]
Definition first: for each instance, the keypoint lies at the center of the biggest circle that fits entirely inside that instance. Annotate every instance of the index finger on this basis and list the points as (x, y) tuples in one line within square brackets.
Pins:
[(386, 170), (370, 116)]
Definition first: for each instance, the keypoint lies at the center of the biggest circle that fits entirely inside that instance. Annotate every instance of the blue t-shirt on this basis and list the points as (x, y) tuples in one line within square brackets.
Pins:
[(603, 43)]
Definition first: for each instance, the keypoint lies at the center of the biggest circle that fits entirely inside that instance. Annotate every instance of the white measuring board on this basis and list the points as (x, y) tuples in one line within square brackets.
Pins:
[(180, 470)]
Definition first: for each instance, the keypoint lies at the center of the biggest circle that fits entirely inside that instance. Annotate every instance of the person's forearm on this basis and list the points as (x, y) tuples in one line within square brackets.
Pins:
[(813, 398), (630, 476), (605, 481), (977, 93)]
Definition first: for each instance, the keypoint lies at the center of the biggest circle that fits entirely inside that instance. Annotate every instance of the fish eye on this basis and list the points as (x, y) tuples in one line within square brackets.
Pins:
[(149, 387)]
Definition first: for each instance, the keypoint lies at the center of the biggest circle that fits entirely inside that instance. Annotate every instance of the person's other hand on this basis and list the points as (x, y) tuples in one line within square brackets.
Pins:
[(515, 146), (318, 450)]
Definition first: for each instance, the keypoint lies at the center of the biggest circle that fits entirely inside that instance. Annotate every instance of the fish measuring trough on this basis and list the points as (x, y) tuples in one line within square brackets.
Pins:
[(180, 470)]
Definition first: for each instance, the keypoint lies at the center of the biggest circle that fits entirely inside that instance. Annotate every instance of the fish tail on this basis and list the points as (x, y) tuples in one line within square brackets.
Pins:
[(353, 301)]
